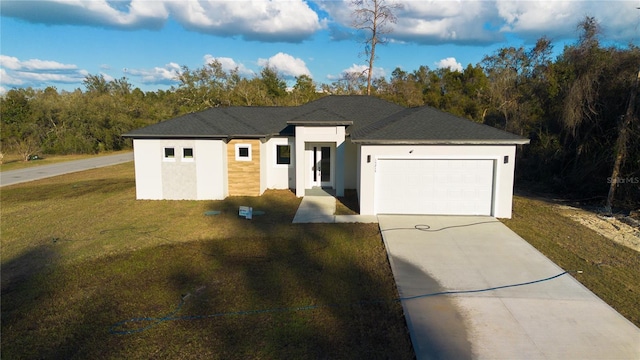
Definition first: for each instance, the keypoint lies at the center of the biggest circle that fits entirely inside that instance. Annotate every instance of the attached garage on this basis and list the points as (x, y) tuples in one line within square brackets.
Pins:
[(434, 186)]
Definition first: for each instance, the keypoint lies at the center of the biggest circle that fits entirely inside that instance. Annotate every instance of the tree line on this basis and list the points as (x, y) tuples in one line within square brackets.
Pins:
[(579, 109)]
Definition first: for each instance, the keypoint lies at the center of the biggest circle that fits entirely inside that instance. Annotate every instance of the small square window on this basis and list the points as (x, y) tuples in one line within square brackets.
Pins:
[(283, 154), (187, 153), (169, 153), (243, 152)]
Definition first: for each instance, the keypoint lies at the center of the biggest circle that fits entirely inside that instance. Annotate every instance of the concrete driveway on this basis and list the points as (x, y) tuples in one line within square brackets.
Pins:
[(536, 311)]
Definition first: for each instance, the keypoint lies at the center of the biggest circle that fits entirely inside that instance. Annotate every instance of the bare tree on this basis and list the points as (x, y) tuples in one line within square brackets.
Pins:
[(373, 16), (621, 144)]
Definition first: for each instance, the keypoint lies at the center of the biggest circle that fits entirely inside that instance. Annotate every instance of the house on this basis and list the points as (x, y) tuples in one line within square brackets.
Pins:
[(400, 160)]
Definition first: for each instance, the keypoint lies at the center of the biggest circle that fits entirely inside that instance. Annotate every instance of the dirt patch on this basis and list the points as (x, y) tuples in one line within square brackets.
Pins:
[(610, 227)]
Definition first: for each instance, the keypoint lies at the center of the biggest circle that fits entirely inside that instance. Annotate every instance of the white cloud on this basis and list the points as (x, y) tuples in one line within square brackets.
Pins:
[(450, 63), (7, 79), (429, 22), (14, 63), (228, 64), (559, 19), (290, 20), (137, 14), (286, 65), (278, 20), (43, 65), (358, 70), (9, 62), (51, 77), (107, 77), (167, 74), (473, 22), (37, 72), (477, 22)]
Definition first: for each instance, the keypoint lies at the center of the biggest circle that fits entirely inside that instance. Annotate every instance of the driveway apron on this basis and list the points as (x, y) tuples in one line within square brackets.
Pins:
[(472, 288)]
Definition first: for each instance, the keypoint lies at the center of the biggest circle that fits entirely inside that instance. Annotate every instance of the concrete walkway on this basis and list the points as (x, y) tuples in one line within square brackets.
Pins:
[(534, 314), (12, 177), (321, 208)]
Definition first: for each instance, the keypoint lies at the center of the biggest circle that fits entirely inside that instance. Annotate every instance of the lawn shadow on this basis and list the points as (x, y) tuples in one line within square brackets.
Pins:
[(303, 290), (43, 316), (260, 288), (24, 289)]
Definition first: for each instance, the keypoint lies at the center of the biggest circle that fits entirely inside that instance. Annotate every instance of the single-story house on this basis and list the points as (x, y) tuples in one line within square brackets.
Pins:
[(399, 160)]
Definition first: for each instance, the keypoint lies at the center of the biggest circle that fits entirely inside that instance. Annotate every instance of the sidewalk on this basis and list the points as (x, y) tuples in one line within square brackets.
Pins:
[(322, 208)]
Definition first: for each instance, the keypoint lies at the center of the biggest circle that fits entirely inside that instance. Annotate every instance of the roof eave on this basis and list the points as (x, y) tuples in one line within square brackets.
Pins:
[(440, 142), (173, 136)]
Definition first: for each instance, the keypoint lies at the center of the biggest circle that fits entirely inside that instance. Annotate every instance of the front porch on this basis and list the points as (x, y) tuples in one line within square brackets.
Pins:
[(320, 156), (319, 206)]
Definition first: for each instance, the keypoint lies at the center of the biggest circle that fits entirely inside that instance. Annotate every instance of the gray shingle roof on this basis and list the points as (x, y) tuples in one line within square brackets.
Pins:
[(221, 122), (427, 125), (370, 119)]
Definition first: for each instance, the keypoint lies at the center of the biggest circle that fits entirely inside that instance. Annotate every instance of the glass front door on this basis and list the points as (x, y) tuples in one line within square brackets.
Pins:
[(321, 166)]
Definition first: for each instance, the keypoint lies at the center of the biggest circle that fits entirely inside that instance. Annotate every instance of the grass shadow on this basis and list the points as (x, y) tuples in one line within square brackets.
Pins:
[(226, 264), (348, 204)]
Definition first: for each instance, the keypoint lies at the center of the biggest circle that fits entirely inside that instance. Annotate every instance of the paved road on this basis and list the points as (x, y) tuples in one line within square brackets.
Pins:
[(518, 304), (44, 171)]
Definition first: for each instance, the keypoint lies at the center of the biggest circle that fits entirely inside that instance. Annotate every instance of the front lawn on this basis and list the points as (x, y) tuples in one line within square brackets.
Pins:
[(80, 255), (610, 270)]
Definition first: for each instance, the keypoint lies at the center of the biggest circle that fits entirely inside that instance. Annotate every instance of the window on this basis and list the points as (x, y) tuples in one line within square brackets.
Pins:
[(243, 152), (187, 154), (169, 154), (283, 154)]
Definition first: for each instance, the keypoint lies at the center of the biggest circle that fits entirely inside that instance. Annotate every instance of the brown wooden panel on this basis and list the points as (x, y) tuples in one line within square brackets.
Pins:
[(244, 176)]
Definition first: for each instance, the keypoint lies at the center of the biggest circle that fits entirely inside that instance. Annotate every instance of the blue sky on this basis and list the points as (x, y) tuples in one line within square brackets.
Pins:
[(59, 42)]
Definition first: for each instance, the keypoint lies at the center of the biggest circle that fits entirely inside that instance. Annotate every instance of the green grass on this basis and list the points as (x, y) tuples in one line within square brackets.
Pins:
[(80, 254), (610, 270), (16, 162)]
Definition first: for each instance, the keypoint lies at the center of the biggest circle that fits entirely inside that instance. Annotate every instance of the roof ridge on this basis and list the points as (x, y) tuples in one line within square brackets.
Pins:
[(240, 120), (323, 109)]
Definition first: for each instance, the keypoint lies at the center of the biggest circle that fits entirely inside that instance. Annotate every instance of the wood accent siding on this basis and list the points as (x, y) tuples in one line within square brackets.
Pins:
[(244, 176)]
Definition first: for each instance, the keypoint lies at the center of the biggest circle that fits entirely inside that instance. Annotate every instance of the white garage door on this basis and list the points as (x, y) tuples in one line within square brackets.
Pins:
[(427, 186)]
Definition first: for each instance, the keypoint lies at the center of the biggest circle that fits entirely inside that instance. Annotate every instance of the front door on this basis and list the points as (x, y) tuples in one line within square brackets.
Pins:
[(321, 169)]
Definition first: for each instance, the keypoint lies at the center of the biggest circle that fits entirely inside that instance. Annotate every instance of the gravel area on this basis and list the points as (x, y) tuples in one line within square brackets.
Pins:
[(616, 228)]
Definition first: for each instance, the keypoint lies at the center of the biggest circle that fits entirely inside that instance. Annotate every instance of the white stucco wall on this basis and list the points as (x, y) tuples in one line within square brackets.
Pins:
[(211, 170), (504, 173), (203, 177), (278, 176), (147, 157)]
